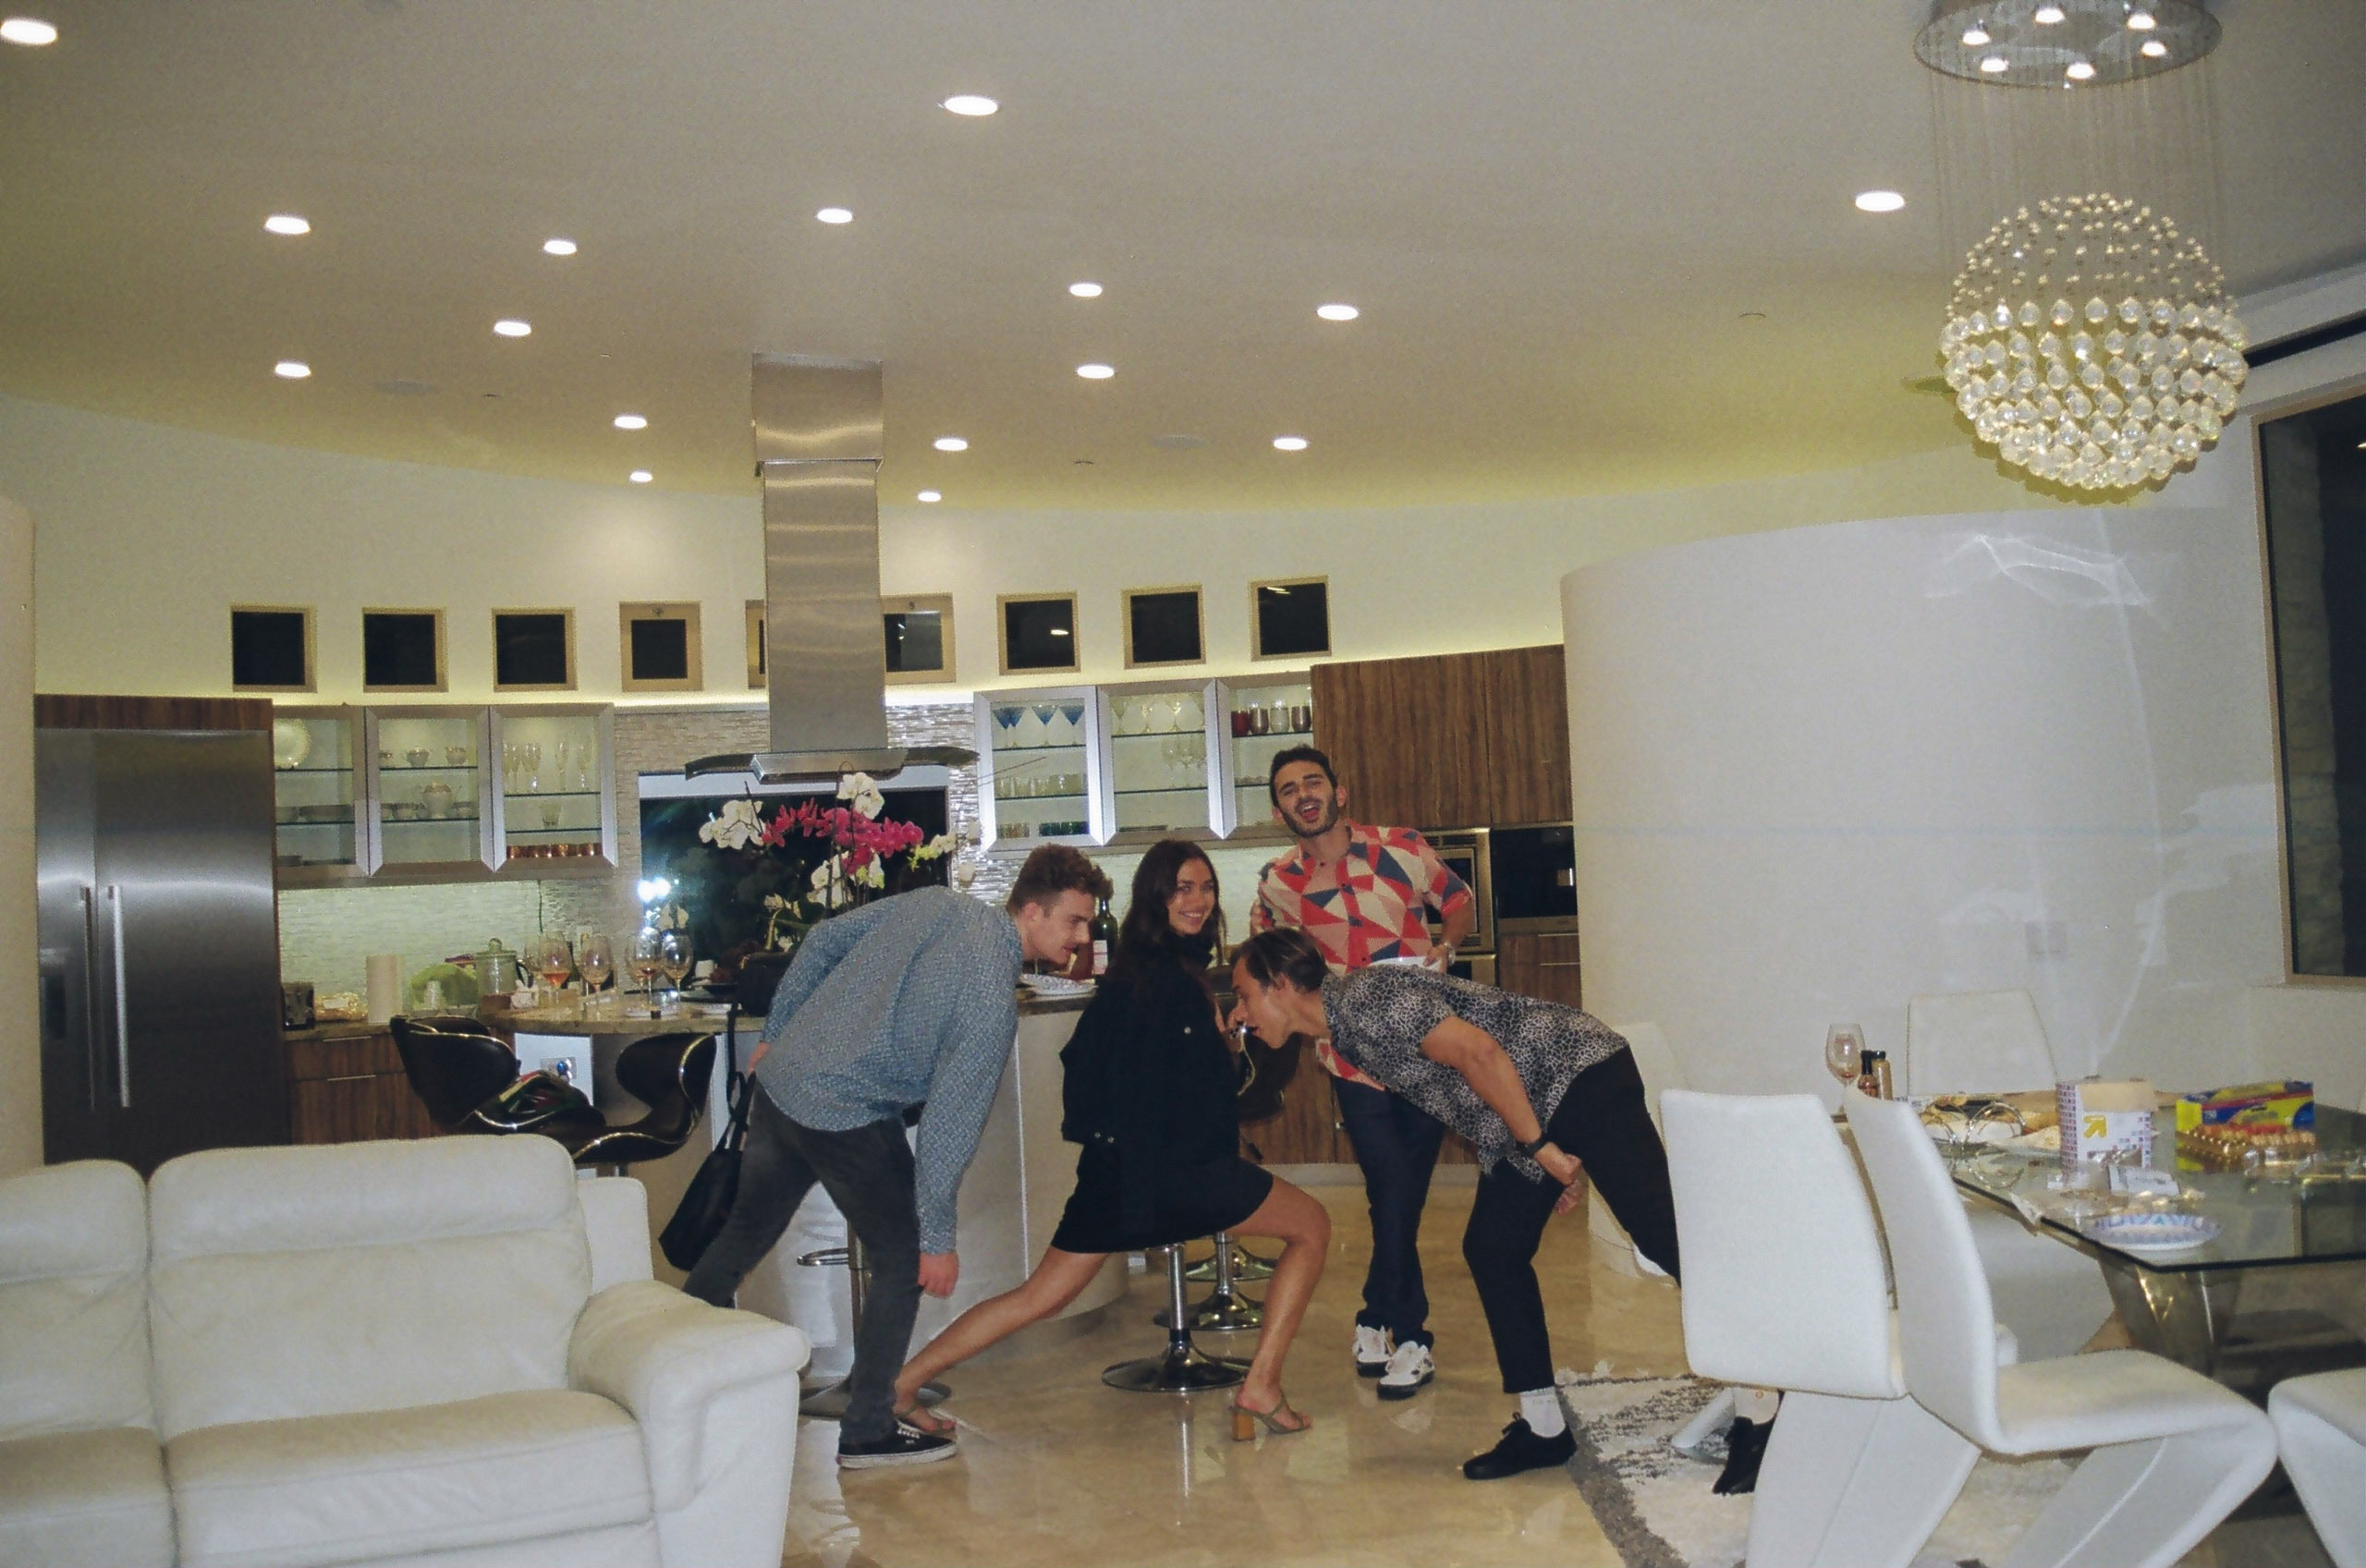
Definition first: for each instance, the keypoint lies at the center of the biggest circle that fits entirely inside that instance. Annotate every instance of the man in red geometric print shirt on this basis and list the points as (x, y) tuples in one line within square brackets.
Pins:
[(1364, 893)]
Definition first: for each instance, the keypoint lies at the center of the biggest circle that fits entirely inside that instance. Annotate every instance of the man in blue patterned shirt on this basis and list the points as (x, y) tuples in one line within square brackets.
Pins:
[(911, 1000)]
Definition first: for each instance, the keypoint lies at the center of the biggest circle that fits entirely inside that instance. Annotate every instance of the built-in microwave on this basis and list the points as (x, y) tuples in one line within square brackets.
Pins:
[(1533, 878), (1464, 852)]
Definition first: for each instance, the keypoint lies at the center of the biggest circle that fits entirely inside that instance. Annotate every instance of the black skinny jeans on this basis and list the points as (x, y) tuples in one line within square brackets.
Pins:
[(1603, 1120), (868, 1173), (1396, 1146)]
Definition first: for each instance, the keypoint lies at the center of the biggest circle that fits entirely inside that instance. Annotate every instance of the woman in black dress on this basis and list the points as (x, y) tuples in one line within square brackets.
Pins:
[(1148, 1092)]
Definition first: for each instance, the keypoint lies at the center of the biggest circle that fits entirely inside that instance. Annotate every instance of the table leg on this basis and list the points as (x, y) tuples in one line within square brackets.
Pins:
[(2183, 1317)]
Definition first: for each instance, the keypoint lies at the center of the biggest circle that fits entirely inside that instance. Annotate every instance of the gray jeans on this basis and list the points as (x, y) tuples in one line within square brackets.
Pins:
[(868, 1173)]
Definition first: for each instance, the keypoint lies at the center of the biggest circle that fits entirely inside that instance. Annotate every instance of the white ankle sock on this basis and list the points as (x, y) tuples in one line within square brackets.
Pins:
[(1540, 1408)]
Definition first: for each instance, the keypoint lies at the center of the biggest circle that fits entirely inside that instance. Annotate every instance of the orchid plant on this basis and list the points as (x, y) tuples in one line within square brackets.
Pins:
[(864, 850)]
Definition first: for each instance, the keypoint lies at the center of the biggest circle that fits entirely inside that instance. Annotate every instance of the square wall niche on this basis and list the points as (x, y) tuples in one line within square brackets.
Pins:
[(1038, 632), (271, 648), (1163, 625), (661, 648), (533, 650), (919, 631), (402, 650), (1290, 618)]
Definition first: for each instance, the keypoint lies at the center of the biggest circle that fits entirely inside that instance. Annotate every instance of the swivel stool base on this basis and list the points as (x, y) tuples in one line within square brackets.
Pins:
[(1224, 1309), (1246, 1265), (1181, 1367)]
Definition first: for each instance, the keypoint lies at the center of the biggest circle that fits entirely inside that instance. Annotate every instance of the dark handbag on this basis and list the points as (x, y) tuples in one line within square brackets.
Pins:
[(706, 1202)]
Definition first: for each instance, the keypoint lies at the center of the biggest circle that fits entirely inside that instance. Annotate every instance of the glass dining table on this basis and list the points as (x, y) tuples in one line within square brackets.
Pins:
[(2282, 1284)]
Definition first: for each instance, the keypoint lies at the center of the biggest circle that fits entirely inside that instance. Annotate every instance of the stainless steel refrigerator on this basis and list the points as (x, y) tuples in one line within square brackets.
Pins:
[(159, 943)]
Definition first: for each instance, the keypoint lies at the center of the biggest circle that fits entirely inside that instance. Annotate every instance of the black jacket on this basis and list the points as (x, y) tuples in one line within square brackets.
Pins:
[(1148, 1078)]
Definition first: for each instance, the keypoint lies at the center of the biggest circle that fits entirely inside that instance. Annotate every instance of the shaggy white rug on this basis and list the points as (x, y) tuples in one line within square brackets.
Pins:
[(1656, 1507)]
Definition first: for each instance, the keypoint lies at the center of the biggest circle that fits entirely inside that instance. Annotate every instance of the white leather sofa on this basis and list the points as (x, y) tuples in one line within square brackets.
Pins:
[(447, 1351)]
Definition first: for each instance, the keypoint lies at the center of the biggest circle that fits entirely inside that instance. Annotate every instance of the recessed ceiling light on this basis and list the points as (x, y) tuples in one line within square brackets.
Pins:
[(951, 443), (633, 421), (509, 327), (1878, 200), (286, 222), (291, 370), (971, 104), (1289, 443), (1338, 313), (834, 215), (2154, 49), (1085, 290), (28, 31), (1973, 37), (558, 247), (640, 476), (931, 496), (1096, 372), (2142, 21), (1996, 62), (2047, 16), (2078, 70)]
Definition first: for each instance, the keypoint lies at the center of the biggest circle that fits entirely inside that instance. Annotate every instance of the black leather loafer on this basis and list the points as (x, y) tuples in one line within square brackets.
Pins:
[(1520, 1449)]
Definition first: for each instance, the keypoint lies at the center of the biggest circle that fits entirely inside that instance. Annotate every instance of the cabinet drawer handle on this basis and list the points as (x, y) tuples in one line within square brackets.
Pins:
[(351, 1078)]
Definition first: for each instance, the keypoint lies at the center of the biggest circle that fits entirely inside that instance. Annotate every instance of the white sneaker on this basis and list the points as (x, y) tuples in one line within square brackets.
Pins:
[(1409, 1368), (1371, 1351)]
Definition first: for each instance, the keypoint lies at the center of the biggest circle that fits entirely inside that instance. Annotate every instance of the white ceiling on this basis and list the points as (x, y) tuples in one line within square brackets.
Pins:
[(1554, 214)]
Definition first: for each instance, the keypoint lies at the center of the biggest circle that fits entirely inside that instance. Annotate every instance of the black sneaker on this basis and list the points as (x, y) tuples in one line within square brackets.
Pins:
[(1521, 1449), (902, 1446), (1745, 1449)]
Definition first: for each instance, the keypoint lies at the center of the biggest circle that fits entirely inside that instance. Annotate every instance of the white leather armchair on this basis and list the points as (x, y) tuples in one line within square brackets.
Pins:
[(81, 1476), (2321, 1432), (370, 1353)]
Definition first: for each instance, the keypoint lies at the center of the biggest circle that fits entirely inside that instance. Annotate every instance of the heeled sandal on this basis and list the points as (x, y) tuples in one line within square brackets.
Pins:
[(1246, 1421)]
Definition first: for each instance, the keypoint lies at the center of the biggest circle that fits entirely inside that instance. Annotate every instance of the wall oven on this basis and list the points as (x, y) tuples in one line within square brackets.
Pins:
[(1464, 852), (1533, 878)]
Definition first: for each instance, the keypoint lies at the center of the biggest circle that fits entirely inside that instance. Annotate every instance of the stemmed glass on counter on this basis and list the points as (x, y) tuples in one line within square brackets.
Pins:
[(648, 961), (596, 959), (554, 960), (1844, 1053), (674, 957)]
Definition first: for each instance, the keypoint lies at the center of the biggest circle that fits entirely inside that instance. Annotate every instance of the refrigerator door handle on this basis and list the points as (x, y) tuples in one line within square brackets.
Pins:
[(122, 1003), (90, 1000)]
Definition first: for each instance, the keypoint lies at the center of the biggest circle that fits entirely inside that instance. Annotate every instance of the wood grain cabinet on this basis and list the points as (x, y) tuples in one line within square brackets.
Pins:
[(1456, 740), (1543, 964), (347, 1086)]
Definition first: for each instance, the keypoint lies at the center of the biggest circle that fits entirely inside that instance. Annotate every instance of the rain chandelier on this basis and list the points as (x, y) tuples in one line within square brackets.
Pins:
[(2090, 341)]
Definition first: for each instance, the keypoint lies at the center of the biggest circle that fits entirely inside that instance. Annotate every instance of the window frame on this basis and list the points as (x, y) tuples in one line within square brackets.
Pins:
[(1257, 624), (312, 651), (443, 647), (1198, 612), (1002, 633), (565, 614), (686, 611), (905, 604)]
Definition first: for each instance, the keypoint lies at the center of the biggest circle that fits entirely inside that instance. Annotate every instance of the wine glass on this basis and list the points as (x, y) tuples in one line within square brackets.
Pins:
[(595, 959), (1843, 1052), (647, 960), (551, 959), (674, 957)]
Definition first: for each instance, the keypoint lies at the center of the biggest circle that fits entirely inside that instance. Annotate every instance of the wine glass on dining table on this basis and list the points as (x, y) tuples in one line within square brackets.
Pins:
[(674, 957), (1844, 1053), (647, 965)]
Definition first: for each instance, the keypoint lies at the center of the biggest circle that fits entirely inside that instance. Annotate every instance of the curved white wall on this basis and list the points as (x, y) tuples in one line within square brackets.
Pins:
[(1820, 771)]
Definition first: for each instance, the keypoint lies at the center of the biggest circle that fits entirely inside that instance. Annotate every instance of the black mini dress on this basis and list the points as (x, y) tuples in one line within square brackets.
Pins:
[(1148, 1092)]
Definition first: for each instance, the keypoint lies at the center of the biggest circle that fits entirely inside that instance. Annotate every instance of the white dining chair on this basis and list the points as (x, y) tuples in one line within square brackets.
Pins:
[(2173, 1452), (2321, 1432), (1661, 1071), (1976, 1042), (1783, 1287)]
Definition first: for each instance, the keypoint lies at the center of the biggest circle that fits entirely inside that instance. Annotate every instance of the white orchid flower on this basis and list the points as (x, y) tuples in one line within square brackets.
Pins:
[(862, 791), (829, 882), (735, 826), (943, 844)]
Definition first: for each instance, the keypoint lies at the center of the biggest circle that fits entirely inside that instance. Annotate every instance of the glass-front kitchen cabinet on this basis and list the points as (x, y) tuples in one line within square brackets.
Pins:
[(1137, 761), (438, 794), (1041, 776)]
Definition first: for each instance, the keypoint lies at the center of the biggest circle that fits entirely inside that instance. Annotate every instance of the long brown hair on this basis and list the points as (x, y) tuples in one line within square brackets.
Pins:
[(1147, 937)]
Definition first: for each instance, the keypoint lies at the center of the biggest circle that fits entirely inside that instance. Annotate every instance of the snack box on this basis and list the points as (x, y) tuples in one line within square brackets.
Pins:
[(2104, 1121), (2286, 1104)]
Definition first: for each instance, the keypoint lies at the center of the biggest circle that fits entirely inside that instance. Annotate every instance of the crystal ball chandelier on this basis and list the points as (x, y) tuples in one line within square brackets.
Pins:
[(2092, 345)]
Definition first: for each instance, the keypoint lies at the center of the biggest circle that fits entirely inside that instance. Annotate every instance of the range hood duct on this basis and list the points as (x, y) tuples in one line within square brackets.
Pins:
[(819, 439)]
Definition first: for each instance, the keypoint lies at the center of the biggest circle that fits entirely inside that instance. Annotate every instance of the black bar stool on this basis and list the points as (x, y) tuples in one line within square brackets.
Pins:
[(1182, 1367), (1224, 1310), (829, 1402)]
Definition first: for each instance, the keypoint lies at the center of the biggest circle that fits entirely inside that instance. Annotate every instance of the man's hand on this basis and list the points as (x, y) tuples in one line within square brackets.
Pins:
[(939, 1272), (1571, 1195), (1562, 1167), (758, 1055)]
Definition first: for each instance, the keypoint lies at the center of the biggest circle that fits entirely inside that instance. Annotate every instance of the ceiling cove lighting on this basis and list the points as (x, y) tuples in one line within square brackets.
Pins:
[(950, 444), (558, 247), (28, 31), (633, 421), (1338, 313), (1096, 372), (931, 496), (1289, 443), (291, 370), (640, 476), (1878, 200), (974, 106), (1085, 290), (287, 224), (834, 215)]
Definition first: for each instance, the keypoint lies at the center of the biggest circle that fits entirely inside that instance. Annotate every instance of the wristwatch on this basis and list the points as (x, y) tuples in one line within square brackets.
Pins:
[(1528, 1151)]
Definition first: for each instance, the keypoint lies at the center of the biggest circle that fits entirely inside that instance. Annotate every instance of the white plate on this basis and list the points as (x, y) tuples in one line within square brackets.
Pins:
[(1055, 985), (2153, 1232), (291, 742), (1406, 963)]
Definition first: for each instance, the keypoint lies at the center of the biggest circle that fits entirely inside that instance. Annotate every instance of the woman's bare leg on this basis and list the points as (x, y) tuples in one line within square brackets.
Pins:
[(1303, 1227), (1057, 1281)]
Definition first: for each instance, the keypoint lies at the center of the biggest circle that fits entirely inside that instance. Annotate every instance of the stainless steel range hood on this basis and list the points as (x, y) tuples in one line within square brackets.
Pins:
[(819, 437)]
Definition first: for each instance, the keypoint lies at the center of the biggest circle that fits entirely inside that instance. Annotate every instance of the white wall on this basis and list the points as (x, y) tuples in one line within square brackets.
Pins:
[(155, 532), (19, 932)]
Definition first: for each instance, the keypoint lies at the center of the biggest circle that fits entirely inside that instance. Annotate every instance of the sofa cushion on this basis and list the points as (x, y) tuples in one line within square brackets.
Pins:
[(73, 1299), (343, 1489), (68, 1499), (330, 1280)]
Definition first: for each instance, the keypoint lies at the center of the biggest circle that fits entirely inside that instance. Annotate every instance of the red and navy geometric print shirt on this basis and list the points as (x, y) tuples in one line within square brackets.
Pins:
[(1368, 906)]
